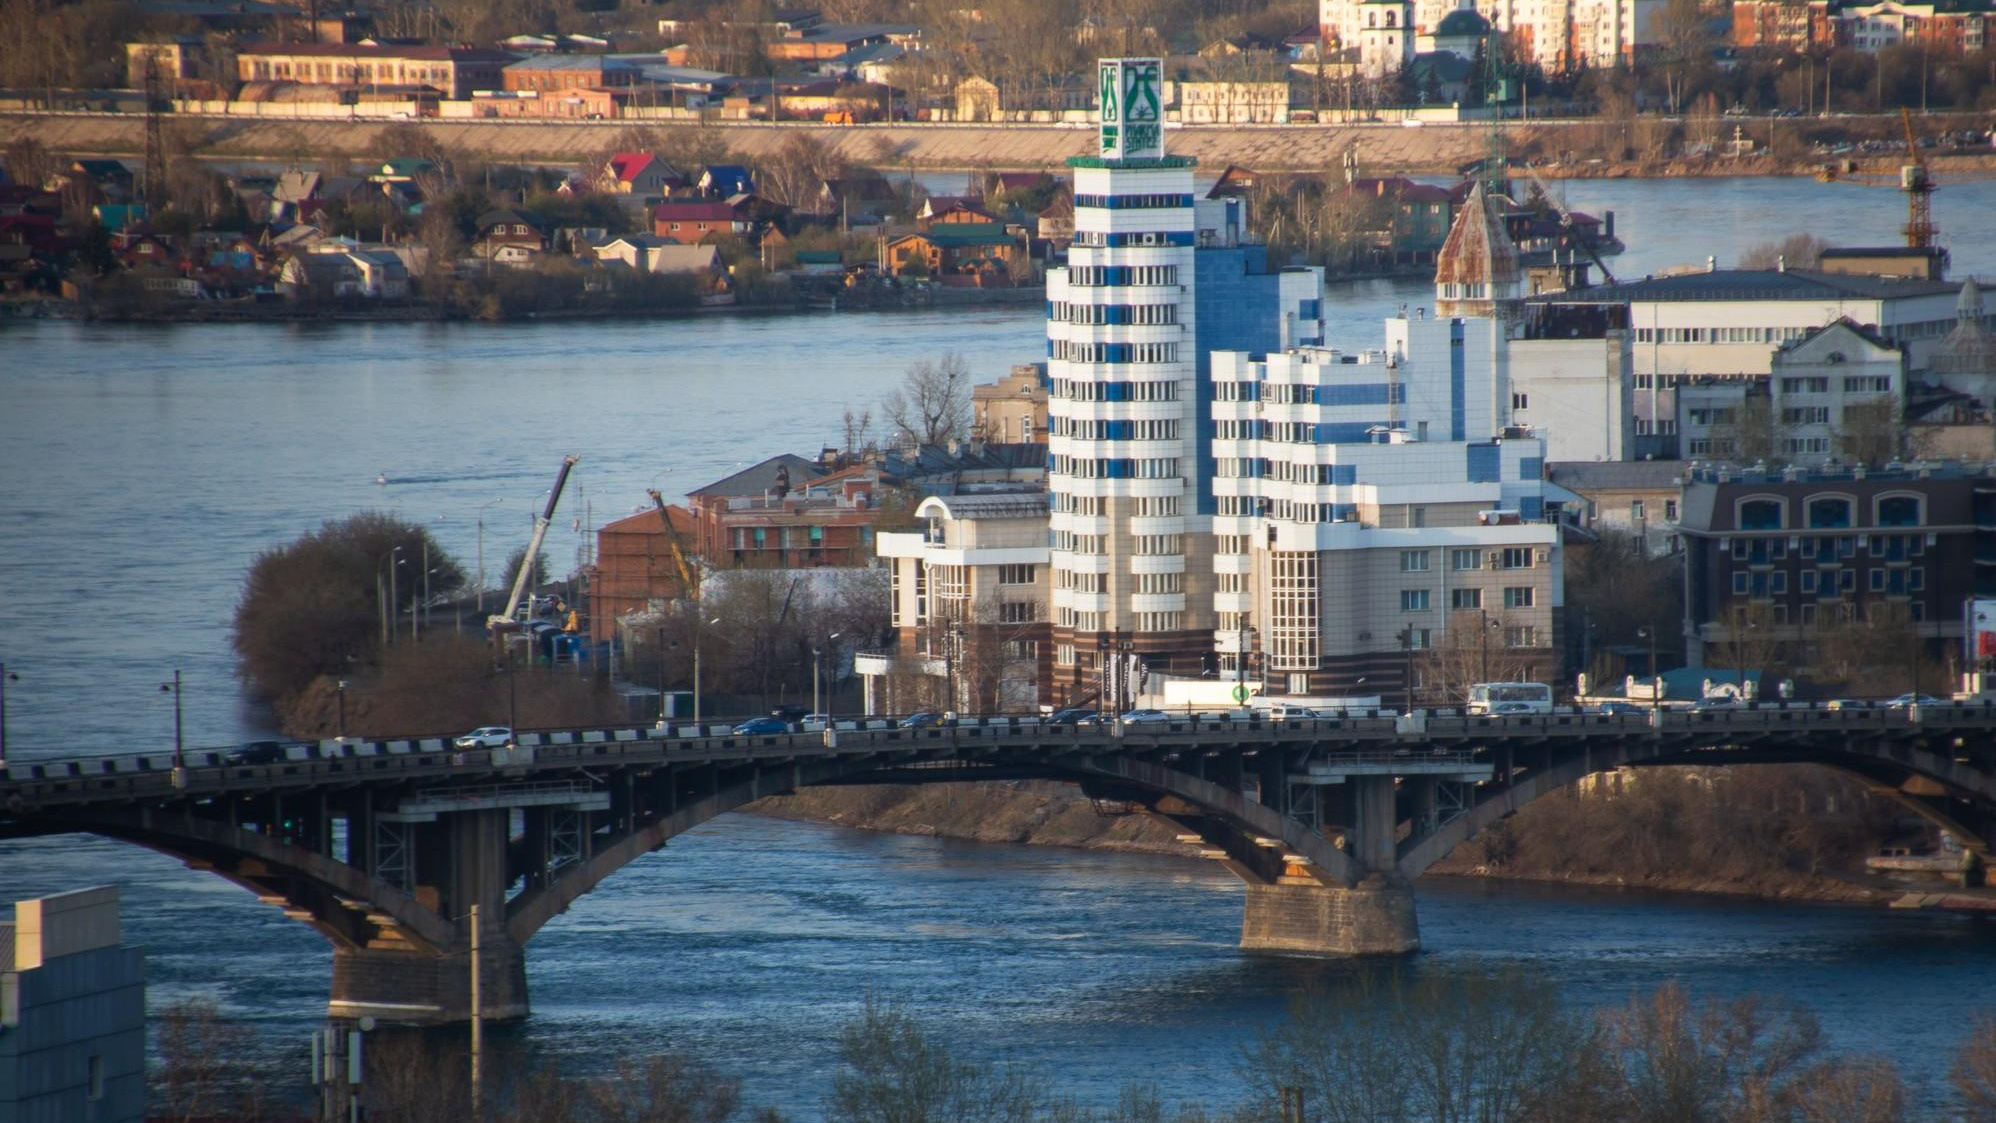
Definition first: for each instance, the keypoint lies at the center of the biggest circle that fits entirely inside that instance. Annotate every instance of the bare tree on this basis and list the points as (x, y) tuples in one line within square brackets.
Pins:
[(1871, 433), (932, 407), (1463, 1049), (1974, 1072), (200, 1073), (1669, 1060), (891, 1071), (1796, 251)]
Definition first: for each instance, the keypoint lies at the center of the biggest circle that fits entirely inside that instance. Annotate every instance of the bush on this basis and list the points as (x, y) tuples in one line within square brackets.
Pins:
[(314, 607)]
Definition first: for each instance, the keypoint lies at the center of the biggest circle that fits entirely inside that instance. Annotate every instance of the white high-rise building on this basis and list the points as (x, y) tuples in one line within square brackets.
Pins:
[(1555, 34), (1156, 280), (1121, 410)]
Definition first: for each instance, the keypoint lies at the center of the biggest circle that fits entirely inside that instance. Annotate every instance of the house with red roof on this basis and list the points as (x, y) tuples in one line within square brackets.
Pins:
[(638, 173)]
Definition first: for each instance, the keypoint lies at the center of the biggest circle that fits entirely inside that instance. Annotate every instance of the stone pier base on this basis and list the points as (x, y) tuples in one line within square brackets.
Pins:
[(1377, 918), (418, 988)]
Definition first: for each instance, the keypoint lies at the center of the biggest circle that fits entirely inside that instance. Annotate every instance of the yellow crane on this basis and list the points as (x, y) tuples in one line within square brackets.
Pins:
[(689, 576), (1916, 178)]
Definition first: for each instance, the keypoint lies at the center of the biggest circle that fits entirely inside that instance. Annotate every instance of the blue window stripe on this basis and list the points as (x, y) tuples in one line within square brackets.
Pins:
[(1483, 464)]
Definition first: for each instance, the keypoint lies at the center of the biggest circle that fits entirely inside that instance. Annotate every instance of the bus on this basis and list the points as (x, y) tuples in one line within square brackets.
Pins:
[(1510, 698)]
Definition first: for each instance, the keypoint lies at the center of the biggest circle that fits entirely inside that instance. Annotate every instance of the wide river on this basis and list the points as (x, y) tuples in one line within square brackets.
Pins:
[(143, 468)]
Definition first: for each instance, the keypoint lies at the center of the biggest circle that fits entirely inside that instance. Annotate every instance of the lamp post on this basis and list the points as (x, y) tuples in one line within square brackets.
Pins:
[(1240, 665), (343, 710), (481, 555), (663, 715), (179, 742), (1488, 626), (390, 624), (1655, 680), (699, 630), (1407, 642), (6, 676), (817, 707)]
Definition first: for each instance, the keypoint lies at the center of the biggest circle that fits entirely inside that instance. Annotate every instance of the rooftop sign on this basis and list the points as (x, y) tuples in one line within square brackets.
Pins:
[(1131, 92)]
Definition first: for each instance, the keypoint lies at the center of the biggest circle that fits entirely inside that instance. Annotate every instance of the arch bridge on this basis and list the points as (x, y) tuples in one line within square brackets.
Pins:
[(384, 847)]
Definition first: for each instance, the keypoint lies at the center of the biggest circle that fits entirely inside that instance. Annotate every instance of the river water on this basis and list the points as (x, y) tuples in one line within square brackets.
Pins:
[(142, 468)]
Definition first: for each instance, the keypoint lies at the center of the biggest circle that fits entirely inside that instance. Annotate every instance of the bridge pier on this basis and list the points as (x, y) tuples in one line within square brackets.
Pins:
[(421, 988), (1296, 917)]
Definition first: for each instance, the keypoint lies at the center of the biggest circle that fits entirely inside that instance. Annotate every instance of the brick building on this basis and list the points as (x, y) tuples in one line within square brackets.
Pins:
[(635, 570), (1782, 552)]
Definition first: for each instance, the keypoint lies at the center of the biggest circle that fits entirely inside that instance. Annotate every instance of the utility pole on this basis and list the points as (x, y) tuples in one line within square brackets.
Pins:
[(477, 1027), (179, 742), (6, 676), (343, 710)]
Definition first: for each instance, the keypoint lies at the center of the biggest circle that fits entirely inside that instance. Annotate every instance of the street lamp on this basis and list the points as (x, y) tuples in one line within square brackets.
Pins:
[(179, 744), (481, 554), (1648, 631), (816, 675), (1407, 642), (1489, 626), (343, 710), (699, 630), (6, 676)]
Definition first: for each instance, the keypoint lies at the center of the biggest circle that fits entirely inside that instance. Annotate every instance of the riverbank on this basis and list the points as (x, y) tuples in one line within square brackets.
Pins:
[(1579, 148), (1049, 814)]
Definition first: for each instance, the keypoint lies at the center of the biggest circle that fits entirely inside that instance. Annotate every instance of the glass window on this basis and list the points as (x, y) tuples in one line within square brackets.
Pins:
[(1760, 514), (1413, 561), (1829, 512), (1899, 510), (1413, 600)]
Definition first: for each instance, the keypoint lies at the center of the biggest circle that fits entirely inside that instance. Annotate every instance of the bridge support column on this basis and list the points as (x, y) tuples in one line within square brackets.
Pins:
[(1297, 918), (1300, 916), (402, 987)]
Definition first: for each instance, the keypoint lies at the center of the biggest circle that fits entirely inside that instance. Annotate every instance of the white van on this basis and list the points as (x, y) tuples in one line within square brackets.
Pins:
[(1293, 713)]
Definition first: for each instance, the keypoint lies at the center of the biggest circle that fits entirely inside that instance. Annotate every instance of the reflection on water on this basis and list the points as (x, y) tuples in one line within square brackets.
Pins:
[(749, 942)]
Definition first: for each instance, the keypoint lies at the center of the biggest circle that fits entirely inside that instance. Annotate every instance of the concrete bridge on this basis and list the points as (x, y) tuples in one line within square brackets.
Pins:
[(384, 847)]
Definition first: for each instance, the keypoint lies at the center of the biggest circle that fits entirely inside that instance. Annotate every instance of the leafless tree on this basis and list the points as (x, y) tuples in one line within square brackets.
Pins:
[(932, 406), (1974, 1072), (29, 161), (892, 1071), (1796, 251), (200, 1074), (1871, 433), (1671, 1060), (1470, 1048)]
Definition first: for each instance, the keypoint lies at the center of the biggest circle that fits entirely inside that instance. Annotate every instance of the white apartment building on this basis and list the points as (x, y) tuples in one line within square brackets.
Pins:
[(1693, 328), (1556, 34), (1822, 390), (1372, 510), (968, 603), (1153, 282)]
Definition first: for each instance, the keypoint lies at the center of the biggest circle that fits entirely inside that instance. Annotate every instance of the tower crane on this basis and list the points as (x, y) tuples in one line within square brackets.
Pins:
[(1916, 178), (689, 577)]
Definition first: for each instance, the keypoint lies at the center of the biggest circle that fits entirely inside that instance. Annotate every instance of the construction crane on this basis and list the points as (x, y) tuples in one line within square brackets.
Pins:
[(1566, 223), (1916, 178), (689, 577), (533, 547)]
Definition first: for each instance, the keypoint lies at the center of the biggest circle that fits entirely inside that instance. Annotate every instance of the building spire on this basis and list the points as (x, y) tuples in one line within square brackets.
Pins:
[(1476, 273)]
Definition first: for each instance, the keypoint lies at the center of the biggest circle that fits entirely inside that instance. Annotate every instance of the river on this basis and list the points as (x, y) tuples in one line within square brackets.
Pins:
[(145, 467)]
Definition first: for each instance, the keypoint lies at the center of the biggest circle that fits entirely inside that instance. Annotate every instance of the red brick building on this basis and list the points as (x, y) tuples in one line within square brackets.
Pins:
[(635, 570)]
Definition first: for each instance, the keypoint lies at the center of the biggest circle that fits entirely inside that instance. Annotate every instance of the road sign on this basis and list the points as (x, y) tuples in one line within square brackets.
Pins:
[(1241, 693)]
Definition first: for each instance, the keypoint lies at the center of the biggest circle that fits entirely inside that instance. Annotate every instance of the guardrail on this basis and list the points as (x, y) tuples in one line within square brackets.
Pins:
[(307, 764)]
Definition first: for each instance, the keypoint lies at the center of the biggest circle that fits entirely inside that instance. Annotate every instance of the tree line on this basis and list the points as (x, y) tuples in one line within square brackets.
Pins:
[(1478, 1045)]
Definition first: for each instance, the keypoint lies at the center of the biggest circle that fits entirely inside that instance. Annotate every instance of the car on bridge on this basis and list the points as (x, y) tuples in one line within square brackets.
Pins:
[(926, 719), (757, 726), (485, 737), (1145, 717), (1908, 701), (1074, 715), (1619, 708), (258, 752)]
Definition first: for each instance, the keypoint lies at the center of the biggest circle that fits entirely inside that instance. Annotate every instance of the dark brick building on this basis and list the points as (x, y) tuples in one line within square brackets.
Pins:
[(1780, 551)]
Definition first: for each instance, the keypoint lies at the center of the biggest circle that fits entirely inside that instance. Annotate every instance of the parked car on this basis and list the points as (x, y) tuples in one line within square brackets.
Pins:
[(485, 737), (258, 752), (1907, 701), (757, 726), (926, 719), (1145, 717), (1073, 715), (1619, 708)]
